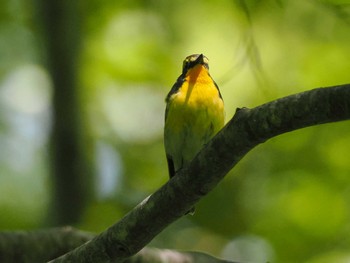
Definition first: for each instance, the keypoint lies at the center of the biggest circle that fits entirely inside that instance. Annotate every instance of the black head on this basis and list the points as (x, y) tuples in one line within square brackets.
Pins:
[(194, 60)]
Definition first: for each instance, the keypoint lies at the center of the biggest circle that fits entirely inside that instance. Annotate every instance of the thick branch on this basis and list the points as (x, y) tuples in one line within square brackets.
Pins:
[(247, 129)]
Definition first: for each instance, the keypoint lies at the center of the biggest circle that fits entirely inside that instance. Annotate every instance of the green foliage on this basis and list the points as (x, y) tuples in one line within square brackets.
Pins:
[(285, 202)]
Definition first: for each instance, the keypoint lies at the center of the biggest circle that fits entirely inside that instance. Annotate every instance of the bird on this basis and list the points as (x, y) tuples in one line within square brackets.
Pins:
[(194, 113)]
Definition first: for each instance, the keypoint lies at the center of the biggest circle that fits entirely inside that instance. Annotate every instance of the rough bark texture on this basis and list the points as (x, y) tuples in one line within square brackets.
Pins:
[(39, 246), (43, 245)]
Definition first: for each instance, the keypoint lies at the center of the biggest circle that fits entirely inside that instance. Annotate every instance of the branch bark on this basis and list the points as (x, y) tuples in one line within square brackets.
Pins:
[(154, 255), (247, 129), (43, 245)]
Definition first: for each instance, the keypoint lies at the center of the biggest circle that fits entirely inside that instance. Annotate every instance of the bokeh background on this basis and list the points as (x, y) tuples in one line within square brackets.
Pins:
[(82, 88)]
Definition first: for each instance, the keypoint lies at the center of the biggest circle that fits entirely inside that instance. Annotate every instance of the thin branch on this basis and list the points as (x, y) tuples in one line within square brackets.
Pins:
[(247, 129), (42, 245), (154, 255)]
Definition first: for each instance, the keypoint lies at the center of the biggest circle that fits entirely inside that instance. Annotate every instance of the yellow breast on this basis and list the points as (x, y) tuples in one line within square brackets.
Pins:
[(197, 102), (195, 113)]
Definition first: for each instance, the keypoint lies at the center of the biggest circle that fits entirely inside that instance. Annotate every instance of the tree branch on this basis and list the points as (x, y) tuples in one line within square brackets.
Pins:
[(43, 245), (152, 255), (247, 129)]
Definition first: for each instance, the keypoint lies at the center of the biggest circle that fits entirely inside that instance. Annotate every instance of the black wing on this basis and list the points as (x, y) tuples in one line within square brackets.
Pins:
[(216, 85), (175, 88)]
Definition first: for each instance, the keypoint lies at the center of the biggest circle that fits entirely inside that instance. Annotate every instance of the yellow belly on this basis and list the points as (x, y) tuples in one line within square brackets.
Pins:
[(195, 114)]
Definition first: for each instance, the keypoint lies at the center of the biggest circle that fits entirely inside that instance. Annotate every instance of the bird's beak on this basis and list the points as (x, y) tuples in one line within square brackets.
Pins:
[(199, 60)]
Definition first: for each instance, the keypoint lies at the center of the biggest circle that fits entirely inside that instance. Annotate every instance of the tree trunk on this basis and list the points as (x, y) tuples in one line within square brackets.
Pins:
[(70, 177)]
